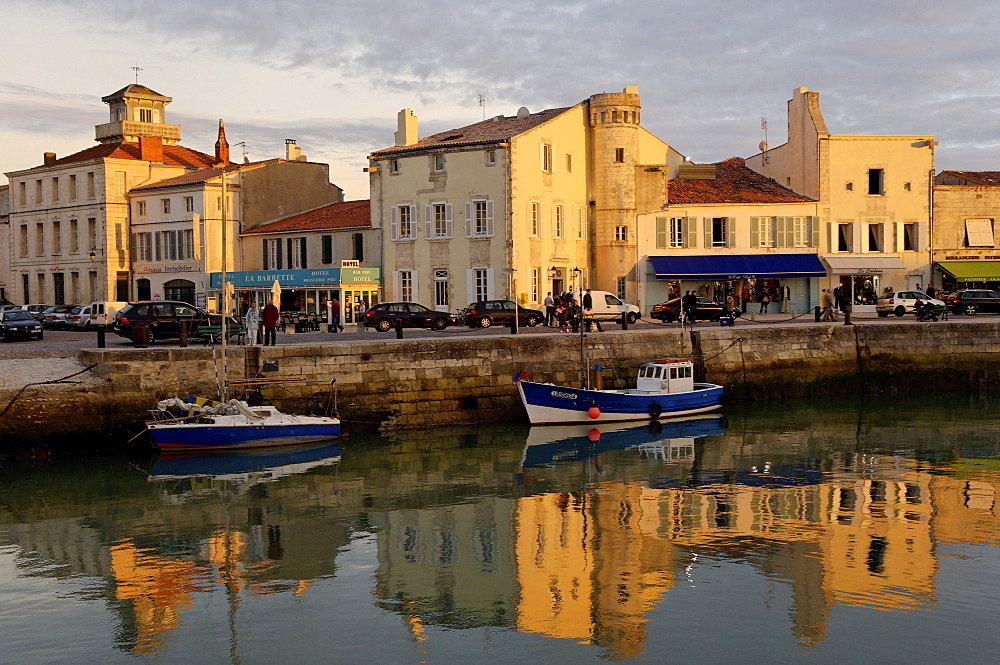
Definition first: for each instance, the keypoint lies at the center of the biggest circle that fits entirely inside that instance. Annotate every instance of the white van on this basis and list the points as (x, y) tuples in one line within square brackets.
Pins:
[(607, 306), (104, 313)]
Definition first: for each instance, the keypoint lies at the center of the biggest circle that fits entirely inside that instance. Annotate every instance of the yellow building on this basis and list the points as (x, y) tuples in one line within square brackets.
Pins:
[(964, 239), (874, 195)]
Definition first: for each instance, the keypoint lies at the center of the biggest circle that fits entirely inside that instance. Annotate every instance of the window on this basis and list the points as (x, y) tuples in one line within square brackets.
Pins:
[(72, 188), (59, 288), (441, 292), (802, 231), (358, 243), (38, 191), (403, 227), (762, 231), (188, 204), (535, 275), (165, 206), (298, 253), (90, 185), (438, 218), (557, 221), (92, 233), (479, 219), (876, 238), (906, 187), (272, 254), (719, 231), (327, 249), (143, 246), (673, 232), (979, 233), (620, 285), (579, 222), (393, 166), (482, 284), (876, 184), (569, 163), (845, 237), (74, 237), (491, 157), (55, 189), (39, 239), (621, 234), (119, 183), (140, 208), (145, 115), (438, 163), (545, 156), (534, 218), (406, 285), (23, 240), (619, 153), (910, 237), (849, 186), (174, 245), (56, 238)]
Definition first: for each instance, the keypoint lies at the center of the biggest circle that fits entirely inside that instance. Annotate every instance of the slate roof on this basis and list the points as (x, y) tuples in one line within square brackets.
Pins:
[(134, 90), (345, 214), (975, 177), (487, 131), (204, 175), (733, 183), (173, 155)]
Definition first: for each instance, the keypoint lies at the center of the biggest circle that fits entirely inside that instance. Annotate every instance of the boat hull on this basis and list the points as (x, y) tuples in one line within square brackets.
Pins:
[(547, 403), (211, 436)]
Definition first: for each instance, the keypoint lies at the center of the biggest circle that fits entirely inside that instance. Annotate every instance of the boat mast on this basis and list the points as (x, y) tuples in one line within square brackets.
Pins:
[(224, 386)]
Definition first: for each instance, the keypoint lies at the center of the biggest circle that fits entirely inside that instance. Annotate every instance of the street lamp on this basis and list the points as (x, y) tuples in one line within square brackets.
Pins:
[(93, 255)]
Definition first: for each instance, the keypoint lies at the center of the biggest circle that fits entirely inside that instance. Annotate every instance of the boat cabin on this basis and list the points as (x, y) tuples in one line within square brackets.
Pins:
[(667, 375)]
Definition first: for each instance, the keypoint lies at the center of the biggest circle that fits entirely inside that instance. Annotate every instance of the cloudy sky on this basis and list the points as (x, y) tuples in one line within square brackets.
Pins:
[(333, 74)]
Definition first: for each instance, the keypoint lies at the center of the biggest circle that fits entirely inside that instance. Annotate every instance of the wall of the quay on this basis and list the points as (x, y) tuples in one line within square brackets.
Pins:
[(452, 380)]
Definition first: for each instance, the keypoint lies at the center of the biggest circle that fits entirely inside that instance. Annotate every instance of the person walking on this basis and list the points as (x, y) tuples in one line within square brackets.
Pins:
[(828, 303), (930, 291), (550, 309), (838, 298), (335, 316), (269, 319), (588, 300), (765, 299), (689, 307)]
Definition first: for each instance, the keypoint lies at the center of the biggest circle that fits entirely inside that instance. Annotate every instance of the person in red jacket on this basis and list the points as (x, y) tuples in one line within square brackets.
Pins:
[(270, 321)]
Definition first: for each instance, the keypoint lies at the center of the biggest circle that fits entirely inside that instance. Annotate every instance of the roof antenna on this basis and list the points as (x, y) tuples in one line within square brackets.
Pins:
[(482, 104), (243, 145), (764, 160), (136, 68)]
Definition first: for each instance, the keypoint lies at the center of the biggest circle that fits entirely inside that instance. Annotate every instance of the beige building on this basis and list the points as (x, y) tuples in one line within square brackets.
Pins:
[(517, 206), (964, 237), (874, 195), (5, 292)]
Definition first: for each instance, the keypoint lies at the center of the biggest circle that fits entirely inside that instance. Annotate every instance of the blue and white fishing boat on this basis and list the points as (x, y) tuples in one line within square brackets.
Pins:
[(665, 388)]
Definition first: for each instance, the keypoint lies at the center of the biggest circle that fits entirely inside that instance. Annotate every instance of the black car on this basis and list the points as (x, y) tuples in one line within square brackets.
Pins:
[(669, 311), (383, 316), (163, 318), (970, 301), (19, 324), (485, 313)]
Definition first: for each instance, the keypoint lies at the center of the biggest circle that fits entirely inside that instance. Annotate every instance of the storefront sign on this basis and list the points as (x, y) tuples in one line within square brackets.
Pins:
[(292, 278), (160, 269), (964, 258)]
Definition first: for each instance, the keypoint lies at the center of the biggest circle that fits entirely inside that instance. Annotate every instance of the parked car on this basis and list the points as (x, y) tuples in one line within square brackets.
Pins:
[(79, 317), (163, 318), (608, 307), (901, 302), (670, 311), (486, 313), (970, 301), (55, 316), (37, 311), (19, 324), (383, 316)]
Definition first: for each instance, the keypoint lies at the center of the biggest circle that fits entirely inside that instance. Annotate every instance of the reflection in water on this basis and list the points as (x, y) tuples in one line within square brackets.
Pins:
[(601, 536)]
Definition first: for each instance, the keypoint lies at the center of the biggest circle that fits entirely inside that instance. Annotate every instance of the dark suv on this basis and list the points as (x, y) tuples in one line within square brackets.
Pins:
[(163, 318), (970, 301), (485, 313), (383, 316)]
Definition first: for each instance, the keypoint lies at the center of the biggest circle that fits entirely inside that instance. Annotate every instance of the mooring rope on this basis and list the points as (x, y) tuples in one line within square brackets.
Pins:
[(42, 383)]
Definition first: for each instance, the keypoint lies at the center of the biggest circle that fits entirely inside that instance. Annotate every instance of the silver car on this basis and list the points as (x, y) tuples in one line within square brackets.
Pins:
[(901, 302), (79, 317)]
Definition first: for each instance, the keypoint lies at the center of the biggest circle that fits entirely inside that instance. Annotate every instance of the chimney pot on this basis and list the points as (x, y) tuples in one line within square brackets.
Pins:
[(151, 148), (50, 158)]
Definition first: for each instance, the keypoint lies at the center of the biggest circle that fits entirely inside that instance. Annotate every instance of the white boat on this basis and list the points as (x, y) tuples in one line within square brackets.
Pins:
[(665, 388)]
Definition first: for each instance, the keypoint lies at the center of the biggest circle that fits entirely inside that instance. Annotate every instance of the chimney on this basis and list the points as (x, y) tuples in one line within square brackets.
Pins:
[(50, 158), (407, 132), (151, 148), (292, 151), (221, 146)]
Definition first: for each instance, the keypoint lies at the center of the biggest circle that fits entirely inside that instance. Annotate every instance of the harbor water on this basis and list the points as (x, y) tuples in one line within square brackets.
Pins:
[(825, 531)]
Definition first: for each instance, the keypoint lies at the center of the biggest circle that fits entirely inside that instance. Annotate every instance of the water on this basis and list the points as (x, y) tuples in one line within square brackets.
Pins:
[(855, 530)]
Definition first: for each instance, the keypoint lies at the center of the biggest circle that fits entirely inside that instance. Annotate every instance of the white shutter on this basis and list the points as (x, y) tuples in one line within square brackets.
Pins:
[(427, 219), (449, 231), (490, 279), (730, 232), (541, 156), (707, 221), (394, 231), (397, 287), (691, 231), (814, 230), (470, 285), (469, 215), (661, 233), (489, 218), (541, 220), (755, 232), (790, 232), (415, 285)]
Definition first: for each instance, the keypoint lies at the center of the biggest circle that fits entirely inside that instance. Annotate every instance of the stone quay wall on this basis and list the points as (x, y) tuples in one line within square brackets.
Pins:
[(459, 380)]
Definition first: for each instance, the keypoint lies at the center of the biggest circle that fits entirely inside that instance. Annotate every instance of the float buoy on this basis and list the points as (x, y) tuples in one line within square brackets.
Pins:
[(593, 412), (655, 410), (594, 435)]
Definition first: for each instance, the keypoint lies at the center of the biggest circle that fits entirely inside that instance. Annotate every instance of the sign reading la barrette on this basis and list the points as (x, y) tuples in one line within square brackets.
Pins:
[(317, 278)]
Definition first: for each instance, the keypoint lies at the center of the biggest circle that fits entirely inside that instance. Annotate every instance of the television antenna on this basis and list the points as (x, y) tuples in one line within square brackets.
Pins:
[(482, 104), (763, 144), (243, 146), (136, 69)]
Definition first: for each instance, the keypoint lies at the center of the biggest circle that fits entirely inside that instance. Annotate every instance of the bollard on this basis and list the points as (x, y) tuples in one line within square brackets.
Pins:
[(399, 328), (847, 315), (100, 337), (598, 377), (624, 321), (140, 336), (816, 312), (513, 324), (182, 334)]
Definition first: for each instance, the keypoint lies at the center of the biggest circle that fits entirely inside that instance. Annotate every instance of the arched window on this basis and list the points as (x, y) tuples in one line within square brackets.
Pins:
[(179, 289)]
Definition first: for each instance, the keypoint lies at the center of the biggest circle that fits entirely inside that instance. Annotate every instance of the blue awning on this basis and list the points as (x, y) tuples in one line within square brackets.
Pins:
[(737, 266)]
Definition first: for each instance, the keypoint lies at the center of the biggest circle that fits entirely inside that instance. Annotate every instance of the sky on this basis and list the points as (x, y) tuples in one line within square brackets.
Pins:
[(333, 75)]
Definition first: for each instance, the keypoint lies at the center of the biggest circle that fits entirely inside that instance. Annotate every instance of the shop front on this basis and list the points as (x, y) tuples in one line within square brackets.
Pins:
[(307, 292), (861, 279), (969, 272), (748, 282)]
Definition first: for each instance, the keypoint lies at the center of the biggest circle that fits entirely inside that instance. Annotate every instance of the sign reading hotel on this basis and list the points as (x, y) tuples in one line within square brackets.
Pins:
[(320, 277)]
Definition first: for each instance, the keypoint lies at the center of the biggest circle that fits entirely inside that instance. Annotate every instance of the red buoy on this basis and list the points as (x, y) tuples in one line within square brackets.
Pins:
[(593, 412), (594, 434)]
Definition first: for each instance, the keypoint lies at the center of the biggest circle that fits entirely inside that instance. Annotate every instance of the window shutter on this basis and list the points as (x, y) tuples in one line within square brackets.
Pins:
[(394, 224), (541, 156), (730, 232), (470, 285), (790, 232), (327, 249), (661, 232), (490, 279), (776, 227), (449, 233), (489, 218), (397, 285), (156, 244), (468, 219), (814, 231), (278, 254), (415, 286), (305, 254), (541, 220), (707, 221), (691, 231), (755, 232), (427, 219)]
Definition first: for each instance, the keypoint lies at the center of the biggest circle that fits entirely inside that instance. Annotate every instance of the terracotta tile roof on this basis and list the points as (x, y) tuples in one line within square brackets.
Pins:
[(487, 131), (203, 175), (173, 155), (345, 214), (733, 183), (975, 177)]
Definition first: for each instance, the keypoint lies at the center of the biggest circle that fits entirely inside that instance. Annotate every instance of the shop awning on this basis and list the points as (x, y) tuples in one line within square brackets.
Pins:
[(737, 266), (972, 271), (864, 265)]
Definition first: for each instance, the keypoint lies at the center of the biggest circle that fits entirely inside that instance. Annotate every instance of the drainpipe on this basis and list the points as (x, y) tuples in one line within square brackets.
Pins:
[(508, 221), (930, 216)]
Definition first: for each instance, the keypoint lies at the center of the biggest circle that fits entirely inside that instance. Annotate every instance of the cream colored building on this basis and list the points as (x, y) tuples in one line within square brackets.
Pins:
[(964, 237), (874, 195), (517, 206), (5, 287)]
